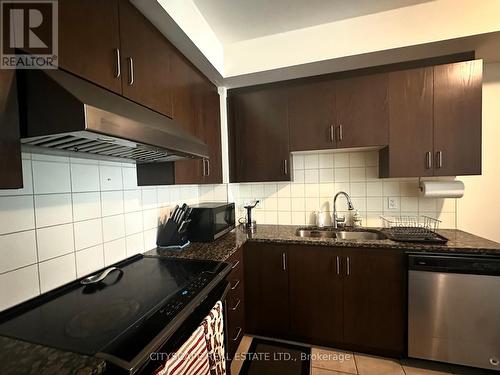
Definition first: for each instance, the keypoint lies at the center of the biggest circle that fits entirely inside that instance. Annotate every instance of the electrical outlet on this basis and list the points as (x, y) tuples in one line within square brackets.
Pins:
[(392, 203)]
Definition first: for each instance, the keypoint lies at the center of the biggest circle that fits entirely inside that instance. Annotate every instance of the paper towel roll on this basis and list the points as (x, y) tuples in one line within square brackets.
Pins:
[(442, 189)]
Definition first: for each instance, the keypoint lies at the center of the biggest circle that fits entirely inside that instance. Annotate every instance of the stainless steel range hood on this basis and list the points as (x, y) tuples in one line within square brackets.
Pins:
[(61, 113)]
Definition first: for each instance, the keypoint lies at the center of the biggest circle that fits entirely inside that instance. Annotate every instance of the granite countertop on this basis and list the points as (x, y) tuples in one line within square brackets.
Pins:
[(459, 242), (20, 357)]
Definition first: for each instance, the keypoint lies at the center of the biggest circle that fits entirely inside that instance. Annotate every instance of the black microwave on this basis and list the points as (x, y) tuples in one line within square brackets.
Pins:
[(210, 221)]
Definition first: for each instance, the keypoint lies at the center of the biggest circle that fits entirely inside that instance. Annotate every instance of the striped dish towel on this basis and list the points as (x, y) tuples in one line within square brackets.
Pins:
[(213, 326), (190, 359)]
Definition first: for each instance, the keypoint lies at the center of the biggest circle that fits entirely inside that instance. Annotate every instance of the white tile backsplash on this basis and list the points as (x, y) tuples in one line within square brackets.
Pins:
[(90, 214), (17, 250), (16, 214), (55, 241), (88, 233), (53, 209), (84, 177), (18, 286), (56, 272), (51, 177), (74, 217)]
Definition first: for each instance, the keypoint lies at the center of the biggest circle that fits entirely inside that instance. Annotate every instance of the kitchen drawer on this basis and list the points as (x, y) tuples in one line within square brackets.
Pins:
[(235, 325)]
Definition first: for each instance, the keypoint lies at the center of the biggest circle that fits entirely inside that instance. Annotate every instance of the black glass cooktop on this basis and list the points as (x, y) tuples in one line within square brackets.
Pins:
[(115, 315)]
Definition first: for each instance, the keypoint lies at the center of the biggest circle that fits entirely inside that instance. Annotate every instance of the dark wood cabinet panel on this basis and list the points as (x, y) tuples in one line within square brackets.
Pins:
[(411, 124), (197, 108), (266, 289), (11, 174), (362, 111), (212, 134), (311, 116), (457, 118), (374, 299), (146, 61), (316, 294), (89, 41), (260, 135)]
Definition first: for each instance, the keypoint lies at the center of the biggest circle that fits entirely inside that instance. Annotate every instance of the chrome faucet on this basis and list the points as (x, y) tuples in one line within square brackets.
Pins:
[(340, 220)]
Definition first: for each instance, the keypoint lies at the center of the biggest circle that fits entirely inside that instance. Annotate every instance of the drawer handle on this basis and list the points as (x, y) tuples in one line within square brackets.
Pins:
[(130, 71), (238, 334), (235, 265), (118, 63), (235, 307), (235, 285)]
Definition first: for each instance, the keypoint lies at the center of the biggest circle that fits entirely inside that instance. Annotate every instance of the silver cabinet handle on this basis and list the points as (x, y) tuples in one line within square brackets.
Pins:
[(233, 287), (118, 63), (131, 71), (235, 307), (439, 156), (348, 266), (428, 156), (208, 167), (341, 133), (338, 265), (332, 133), (238, 334), (235, 265), (285, 167), (284, 261), (203, 172)]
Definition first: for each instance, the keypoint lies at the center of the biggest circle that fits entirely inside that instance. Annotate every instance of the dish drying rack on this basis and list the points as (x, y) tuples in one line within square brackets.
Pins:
[(413, 229)]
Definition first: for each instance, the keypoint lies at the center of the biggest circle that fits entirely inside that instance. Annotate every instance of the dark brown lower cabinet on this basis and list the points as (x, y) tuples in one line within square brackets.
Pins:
[(11, 174), (353, 298), (316, 294), (374, 300), (266, 289)]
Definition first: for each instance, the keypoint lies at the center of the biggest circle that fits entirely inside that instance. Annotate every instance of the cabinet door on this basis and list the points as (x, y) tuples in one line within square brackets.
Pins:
[(266, 289), (374, 299), (311, 116), (362, 111), (316, 294), (186, 107), (411, 123), (146, 55), (261, 135), (89, 41), (210, 120), (457, 118), (11, 176)]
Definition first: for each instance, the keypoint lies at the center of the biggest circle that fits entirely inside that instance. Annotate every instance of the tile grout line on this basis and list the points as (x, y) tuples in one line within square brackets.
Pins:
[(35, 229), (73, 216)]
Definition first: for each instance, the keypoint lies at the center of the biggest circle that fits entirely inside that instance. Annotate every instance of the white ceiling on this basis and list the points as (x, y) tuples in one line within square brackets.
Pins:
[(237, 20)]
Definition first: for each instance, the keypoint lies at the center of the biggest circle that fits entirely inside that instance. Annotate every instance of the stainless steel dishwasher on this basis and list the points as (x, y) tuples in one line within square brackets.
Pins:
[(454, 309)]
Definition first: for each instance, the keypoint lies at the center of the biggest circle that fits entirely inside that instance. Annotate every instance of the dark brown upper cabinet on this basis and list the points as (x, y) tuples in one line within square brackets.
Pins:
[(362, 111), (312, 116), (11, 174), (457, 118), (435, 121), (196, 106), (411, 124), (259, 129), (316, 294), (145, 59), (89, 41)]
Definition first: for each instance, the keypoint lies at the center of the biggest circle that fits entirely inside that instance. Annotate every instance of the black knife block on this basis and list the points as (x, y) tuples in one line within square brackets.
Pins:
[(169, 237)]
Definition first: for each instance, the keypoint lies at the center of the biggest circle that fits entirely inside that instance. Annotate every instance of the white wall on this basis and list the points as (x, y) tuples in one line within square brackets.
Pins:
[(478, 211), (408, 26), (74, 216)]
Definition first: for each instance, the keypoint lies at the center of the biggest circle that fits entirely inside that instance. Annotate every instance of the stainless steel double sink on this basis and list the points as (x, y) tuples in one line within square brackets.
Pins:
[(341, 234)]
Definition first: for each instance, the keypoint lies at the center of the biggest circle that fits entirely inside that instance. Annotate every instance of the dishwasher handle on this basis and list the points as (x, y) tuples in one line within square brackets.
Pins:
[(469, 264)]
